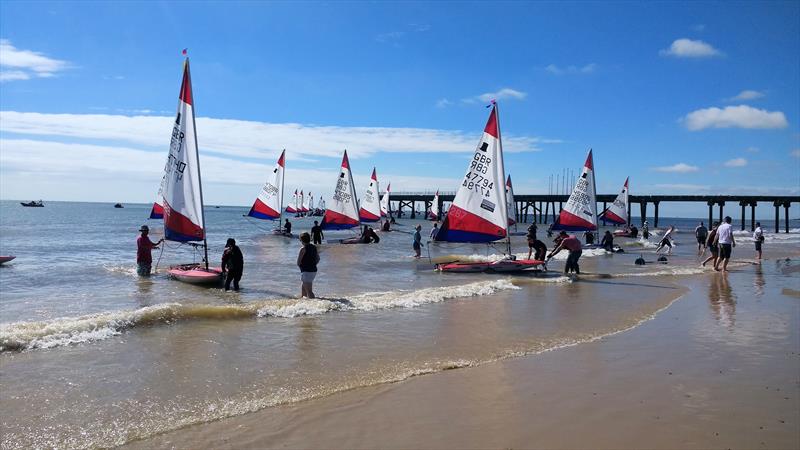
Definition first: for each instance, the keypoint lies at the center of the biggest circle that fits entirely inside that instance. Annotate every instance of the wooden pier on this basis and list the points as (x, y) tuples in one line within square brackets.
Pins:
[(542, 208)]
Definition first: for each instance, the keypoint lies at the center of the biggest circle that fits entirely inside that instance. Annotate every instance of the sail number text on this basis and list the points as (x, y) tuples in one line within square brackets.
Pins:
[(475, 179)]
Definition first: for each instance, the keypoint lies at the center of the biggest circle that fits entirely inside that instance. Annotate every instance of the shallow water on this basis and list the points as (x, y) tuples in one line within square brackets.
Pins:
[(95, 356)]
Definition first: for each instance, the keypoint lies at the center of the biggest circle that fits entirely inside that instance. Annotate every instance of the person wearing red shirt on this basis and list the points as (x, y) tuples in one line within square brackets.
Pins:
[(144, 260), (573, 245)]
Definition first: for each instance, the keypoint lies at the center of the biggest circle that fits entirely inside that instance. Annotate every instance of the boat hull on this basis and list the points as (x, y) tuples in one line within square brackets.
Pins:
[(5, 259), (196, 274), (502, 266)]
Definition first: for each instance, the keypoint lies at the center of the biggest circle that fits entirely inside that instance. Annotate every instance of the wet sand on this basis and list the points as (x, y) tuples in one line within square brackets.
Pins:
[(719, 368)]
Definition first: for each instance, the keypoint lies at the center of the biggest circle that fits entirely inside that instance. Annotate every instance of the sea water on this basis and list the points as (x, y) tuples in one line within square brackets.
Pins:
[(93, 355)]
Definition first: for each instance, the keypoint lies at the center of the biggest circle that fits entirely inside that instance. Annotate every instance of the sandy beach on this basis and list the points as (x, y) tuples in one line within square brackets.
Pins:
[(718, 368)]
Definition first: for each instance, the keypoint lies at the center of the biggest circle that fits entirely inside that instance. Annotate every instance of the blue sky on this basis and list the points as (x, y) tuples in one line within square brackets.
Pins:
[(693, 97)]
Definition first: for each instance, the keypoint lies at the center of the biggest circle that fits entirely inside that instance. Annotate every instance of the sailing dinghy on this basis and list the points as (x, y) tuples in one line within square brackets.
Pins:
[(5, 259), (292, 208), (370, 204), (580, 212), (182, 191), (617, 212), (269, 203), (434, 213), (479, 212)]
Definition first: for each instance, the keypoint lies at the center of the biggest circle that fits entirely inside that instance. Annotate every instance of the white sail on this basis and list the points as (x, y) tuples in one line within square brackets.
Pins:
[(183, 197), (580, 211), (617, 212), (370, 210), (343, 212), (479, 210), (434, 214), (269, 203), (385, 201), (512, 210)]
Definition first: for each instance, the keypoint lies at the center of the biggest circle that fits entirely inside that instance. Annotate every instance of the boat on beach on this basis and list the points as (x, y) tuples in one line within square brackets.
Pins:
[(479, 212), (33, 204), (182, 191)]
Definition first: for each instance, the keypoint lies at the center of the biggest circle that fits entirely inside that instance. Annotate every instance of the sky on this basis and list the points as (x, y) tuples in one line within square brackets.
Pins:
[(686, 98)]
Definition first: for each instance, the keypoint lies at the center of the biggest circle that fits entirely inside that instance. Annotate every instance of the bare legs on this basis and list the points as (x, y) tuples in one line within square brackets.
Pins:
[(306, 290)]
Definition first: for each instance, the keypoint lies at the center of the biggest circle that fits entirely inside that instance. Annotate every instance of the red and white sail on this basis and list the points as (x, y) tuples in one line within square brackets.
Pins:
[(434, 213), (301, 203), (310, 201), (385, 201), (292, 208), (512, 210), (157, 211), (343, 212), (479, 210), (617, 212), (370, 203), (269, 203), (183, 199), (580, 211)]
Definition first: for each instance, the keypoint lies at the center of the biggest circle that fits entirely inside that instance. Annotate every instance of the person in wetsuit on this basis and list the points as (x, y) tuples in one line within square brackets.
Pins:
[(316, 233), (232, 264)]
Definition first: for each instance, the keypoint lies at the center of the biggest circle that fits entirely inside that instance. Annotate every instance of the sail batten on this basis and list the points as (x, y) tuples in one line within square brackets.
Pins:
[(479, 210)]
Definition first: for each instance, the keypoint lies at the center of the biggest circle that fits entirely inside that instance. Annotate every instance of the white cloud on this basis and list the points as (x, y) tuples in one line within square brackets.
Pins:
[(502, 94), (741, 116), (795, 153), (687, 48), (752, 149), (746, 95), (554, 69), (443, 103), (736, 162), (16, 64), (677, 168), (259, 140)]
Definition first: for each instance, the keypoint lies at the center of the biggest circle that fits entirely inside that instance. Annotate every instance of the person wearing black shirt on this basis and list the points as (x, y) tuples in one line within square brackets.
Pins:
[(232, 264), (287, 227), (316, 233), (307, 261)]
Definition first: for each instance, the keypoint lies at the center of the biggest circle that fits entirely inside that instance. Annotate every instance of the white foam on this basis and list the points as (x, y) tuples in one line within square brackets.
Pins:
[(383, 300)]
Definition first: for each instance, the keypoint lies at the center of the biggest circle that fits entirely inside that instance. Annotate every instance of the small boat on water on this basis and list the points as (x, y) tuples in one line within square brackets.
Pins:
[(479, 212), (269, 203), (182, 192), (371, 204), (580, 211), (5, 259), (118, 205), (343, 212), (33, 204), (434, 212)]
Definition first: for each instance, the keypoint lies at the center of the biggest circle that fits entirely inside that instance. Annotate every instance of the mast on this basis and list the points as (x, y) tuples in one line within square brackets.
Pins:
[(197, 153), (283, 178), (503, 168), (594, 189)]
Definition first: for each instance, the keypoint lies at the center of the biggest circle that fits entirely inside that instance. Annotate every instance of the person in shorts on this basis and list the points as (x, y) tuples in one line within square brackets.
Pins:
[(726, 243), (573, 246), (712, 246), (144, 259), (307, 261), (758, 238), (666, 241)]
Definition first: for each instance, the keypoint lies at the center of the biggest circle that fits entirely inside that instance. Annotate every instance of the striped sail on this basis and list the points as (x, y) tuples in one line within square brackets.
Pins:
[(512, 211), (434, 214), (370, 204), (292, 208), (617, 212), (479, 210), (580, 212), (385, 201), (183, 202), (269, 203), (301, 203), (343, 212)]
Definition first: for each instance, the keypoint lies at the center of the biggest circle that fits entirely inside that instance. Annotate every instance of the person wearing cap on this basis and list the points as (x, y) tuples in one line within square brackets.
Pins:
[(232, 264), (144, 259)]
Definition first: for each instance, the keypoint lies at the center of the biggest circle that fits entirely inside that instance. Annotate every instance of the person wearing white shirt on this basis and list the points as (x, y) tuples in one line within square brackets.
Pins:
[(758, 238), (726, 242)]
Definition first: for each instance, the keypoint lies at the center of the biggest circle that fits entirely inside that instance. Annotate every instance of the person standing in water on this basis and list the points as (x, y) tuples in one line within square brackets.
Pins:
[(434, 230), (316, 233), (307, 261), (573, 245), (758, 238), (287, 227), (666, 241), (701, 233), (645, 230), (417, 241), (232, 264), (144, 259), (712, 245), (726, 243), (608, 242)]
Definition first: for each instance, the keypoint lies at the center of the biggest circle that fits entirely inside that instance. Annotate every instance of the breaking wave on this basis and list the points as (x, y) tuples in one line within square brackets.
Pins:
[(95, 327)]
